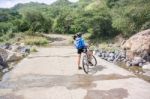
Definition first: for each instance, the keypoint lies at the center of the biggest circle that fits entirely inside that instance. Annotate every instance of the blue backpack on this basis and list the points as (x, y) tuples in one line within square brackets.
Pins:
[(79, 43)]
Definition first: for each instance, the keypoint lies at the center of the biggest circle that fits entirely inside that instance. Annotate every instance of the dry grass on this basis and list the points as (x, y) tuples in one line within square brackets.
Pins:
[(35, 40)]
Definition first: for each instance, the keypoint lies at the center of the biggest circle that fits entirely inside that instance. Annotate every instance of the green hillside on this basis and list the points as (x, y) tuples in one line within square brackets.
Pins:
[(102, 19)]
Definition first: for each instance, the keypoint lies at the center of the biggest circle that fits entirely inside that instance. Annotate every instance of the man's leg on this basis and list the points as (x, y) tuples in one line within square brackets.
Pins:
[(78, 62)]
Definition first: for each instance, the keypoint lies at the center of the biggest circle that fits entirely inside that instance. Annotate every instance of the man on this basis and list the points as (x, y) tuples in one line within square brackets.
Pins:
[(81, 47)]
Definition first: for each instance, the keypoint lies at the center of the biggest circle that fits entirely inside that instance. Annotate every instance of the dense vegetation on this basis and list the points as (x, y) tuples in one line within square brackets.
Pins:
[(102, 19)]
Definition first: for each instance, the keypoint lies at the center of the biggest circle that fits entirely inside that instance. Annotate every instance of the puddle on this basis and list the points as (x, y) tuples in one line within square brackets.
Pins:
[(11, 96), (70, 82), (118, 93), (138, 71)]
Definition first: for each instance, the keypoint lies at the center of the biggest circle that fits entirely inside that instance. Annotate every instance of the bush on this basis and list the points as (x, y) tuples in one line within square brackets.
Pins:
[(101, 26), (124, 25), (145, 26)]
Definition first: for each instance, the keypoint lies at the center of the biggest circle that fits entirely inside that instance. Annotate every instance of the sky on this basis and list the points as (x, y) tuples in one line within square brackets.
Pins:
[(11, 3)]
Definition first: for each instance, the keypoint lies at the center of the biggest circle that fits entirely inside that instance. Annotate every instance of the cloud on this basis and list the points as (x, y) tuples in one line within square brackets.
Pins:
[(11, 3)]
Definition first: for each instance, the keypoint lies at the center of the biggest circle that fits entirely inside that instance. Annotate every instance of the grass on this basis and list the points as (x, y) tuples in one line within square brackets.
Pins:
[(33, 49), (35, 40), (108, 47)]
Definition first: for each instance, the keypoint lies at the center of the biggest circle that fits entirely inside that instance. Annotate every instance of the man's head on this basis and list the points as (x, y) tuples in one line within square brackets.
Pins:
[(79, 34)]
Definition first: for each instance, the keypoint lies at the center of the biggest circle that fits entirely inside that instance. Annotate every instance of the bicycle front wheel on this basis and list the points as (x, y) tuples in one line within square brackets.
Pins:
[(88, 64), (85, 64)]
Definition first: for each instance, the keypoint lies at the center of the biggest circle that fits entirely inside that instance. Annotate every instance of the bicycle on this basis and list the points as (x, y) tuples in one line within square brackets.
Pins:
[(88, 61)]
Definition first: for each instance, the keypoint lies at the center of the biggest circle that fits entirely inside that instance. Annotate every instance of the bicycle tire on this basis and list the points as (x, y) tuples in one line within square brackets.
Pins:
[(86, 65), (94, 60)]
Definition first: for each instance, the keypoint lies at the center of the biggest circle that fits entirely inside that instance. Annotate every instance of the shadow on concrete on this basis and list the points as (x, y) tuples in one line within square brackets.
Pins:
[(117, 93), (11, 96), (95, 69)]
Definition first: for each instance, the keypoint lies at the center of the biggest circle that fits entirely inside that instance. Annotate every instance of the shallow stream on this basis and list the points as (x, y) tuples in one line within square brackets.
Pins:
[(138, 71)]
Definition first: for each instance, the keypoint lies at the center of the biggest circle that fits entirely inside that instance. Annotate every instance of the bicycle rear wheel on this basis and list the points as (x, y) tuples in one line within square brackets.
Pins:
[(93, 60), (87, 67)]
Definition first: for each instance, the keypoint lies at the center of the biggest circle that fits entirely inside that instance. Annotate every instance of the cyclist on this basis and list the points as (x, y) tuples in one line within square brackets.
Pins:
[(81, 47)]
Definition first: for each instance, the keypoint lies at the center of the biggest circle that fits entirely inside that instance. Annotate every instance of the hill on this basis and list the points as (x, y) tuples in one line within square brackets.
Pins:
[(102, 19)]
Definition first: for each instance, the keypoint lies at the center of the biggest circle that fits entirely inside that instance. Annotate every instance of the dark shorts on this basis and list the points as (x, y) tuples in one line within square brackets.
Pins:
[(79, 51)]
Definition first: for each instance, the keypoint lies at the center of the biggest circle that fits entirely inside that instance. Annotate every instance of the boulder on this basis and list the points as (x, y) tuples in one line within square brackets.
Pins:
[(138, 43), (8, 55), (13, 56)]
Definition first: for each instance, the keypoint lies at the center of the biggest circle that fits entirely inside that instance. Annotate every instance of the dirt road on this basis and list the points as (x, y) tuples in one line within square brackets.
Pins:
[(51, 73)]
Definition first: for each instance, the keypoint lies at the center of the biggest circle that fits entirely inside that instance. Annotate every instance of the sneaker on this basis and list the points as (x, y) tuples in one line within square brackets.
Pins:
[(79, 67)]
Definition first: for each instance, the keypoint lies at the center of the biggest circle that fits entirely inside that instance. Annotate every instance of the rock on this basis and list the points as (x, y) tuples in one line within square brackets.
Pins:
[(124, 60), (5, 70), (138, 43), (103, 55), (14, 48), (110, 59), (128, 64), (13, 56), (146, 56), (140, 64), (7, 46), (99, 54), (111, 55), (3, 64), (96, 52), (24, 50), (21, 48), (146, 66), (107, 54), (3, 54), (136, 61), (8, 55), (1, 67)]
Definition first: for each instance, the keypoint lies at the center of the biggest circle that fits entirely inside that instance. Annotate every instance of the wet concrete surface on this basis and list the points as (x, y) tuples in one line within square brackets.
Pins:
[(70, 82), (52, 73)]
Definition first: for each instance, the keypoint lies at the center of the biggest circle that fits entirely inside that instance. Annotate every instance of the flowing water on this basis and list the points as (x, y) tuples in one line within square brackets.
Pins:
[(138, 71)]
